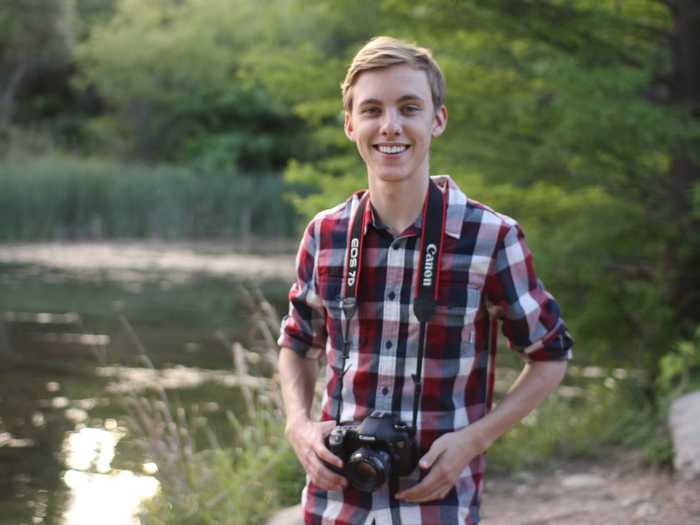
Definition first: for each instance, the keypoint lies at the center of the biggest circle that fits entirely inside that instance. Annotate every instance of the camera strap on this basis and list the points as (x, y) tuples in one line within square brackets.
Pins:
[(427, 280)]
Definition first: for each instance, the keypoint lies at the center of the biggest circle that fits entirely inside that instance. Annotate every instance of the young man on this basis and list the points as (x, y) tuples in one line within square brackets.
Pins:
[(394, 106)]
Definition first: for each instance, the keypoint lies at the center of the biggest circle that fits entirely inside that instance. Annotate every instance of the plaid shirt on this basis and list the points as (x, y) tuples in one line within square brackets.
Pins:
[(485, 264)]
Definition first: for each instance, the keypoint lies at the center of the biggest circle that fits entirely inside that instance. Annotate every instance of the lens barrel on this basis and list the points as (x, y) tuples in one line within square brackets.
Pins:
[(367, 469)]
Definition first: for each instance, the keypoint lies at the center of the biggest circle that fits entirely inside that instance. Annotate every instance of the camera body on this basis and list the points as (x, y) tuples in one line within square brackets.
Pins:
[(380, 448)]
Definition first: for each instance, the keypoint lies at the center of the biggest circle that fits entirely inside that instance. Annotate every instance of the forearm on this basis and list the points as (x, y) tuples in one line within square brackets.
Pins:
[(534, 384), (297, 379)]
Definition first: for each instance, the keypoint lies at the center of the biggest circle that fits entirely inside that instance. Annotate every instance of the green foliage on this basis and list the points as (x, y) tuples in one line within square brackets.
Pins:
[(235, 486), (679, 370), (555, 119), (66, 198), (606, 414), (678, 374), (35, 37), (187, 97)]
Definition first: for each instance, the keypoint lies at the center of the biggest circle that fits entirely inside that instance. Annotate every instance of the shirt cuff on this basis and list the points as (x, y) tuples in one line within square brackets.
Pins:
[(555, 346), (298, 343)]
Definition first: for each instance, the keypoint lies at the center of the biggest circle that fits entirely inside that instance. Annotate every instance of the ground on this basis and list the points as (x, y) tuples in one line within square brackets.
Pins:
[(616, 490), (265, 259)]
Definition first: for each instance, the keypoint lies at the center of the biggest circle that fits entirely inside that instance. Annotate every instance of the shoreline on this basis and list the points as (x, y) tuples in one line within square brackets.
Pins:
[(255, 258)]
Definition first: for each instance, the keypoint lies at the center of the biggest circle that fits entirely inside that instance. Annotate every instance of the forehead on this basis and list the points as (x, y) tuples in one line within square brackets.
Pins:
[(391, 83)]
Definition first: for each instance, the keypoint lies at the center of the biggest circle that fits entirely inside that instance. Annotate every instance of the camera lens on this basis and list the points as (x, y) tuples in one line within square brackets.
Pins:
[(367, 469)]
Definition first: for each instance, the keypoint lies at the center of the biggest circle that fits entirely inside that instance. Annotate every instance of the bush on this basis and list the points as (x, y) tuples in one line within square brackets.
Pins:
[(605, 414)]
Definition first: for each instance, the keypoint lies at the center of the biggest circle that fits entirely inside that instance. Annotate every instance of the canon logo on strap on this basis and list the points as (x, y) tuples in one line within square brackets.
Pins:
[(430, 252)]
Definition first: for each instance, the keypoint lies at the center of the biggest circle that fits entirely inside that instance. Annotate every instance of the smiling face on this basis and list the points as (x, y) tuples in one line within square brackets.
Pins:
[(392, 121)]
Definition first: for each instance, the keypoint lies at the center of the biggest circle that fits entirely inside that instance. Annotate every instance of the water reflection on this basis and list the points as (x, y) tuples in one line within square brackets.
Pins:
[(90, 448), (106, 498), (99, 493), (134, 380), (64, 457)]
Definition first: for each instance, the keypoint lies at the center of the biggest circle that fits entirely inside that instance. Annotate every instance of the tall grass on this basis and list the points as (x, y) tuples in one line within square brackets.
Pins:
[(69, 198), (215, 483), (608, 413)]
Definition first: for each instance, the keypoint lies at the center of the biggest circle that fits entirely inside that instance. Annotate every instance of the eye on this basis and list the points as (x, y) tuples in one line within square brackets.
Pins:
[(410, 109), (370, 110)]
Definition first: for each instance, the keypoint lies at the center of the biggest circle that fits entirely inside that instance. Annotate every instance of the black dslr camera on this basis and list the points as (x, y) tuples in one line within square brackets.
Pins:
[(380, 448)]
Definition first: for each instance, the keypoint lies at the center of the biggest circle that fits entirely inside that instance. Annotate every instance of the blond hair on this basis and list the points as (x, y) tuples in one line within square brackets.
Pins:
[(384, 51)]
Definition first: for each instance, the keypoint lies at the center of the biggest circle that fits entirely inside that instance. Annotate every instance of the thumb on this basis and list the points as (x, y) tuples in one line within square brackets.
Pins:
[(326, 427), (431, 456)]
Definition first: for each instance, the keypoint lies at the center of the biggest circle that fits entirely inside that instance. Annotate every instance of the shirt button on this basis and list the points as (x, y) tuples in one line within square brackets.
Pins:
[(395, 246), (392, 296), (389, 344), (385, 391)]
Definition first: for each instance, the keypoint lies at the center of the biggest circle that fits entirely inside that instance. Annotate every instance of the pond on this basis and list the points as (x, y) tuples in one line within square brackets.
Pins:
[(68, 361)]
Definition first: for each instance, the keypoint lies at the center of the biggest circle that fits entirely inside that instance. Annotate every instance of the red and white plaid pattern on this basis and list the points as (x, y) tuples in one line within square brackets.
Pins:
[(485, 263)]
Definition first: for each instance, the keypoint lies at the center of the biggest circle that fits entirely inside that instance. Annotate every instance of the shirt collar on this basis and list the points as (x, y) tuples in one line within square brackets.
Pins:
[(456, 204)]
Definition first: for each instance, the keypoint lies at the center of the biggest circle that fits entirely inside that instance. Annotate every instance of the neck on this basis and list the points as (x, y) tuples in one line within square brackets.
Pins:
[(398, 204)]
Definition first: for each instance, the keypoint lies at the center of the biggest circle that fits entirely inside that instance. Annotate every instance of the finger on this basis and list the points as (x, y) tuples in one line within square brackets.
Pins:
[(326, 478), (431, 456), (438, 494), (326, 455), (424, 494), (326, 427), (318, 469), (426, 486)]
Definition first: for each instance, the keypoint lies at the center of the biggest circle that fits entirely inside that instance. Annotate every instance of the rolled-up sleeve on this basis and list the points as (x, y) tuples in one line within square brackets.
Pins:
[(532, 321), (303, 328)]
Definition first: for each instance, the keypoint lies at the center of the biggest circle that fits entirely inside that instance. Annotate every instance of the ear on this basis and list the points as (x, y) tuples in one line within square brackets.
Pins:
[(439, 121), (347, 126)]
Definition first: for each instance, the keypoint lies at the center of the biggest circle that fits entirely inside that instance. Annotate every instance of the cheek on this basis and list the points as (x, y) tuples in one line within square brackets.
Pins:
[(363, 149), (362, 140)]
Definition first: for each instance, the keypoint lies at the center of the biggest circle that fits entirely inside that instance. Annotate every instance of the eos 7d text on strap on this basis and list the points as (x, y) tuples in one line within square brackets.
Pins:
[(427, 280)]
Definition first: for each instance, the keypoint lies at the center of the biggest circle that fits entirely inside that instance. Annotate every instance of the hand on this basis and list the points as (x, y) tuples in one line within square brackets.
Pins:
[(447, 458), (306, 437)]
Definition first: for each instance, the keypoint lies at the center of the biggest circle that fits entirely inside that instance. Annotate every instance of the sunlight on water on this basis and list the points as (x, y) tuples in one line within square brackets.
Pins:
[(91, 448), (108, 499), (99, 493)]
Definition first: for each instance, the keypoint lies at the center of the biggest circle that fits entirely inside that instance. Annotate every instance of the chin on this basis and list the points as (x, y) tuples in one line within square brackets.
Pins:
[(392, 176)]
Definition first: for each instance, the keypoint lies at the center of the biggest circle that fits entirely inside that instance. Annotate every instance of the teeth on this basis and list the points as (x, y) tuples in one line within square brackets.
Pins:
[(392, 149)]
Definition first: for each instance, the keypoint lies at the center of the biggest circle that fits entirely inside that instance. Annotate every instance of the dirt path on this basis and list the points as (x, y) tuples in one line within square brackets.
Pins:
[(192, 257), (617, 491)]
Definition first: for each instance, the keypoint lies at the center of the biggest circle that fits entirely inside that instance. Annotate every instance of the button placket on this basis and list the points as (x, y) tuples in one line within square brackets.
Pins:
[(392, 312)]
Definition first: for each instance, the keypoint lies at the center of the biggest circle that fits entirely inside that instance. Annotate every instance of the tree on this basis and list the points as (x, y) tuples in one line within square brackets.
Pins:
[(187, 96), (35, 35), (575, 114)]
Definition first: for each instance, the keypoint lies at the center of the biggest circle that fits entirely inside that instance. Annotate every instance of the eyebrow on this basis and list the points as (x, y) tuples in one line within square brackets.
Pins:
[(403, 98)]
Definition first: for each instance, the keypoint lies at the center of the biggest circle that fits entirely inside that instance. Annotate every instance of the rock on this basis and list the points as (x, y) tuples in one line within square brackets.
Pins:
[(288, 516), (582, 481), (685, 431), (525, 477), (631, 501), (645, 510)]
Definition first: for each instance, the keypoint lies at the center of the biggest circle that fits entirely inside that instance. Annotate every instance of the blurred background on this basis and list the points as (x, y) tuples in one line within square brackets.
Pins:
[(159, 159)]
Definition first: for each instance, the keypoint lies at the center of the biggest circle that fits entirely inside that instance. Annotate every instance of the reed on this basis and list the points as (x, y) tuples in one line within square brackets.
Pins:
[(210, 483), (55, 198)]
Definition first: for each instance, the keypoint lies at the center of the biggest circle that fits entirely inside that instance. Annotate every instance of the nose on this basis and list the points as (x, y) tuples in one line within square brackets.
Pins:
[(391, 124)]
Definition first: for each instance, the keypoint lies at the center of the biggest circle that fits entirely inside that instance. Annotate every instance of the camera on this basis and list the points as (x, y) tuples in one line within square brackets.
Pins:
[(380, 448)]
